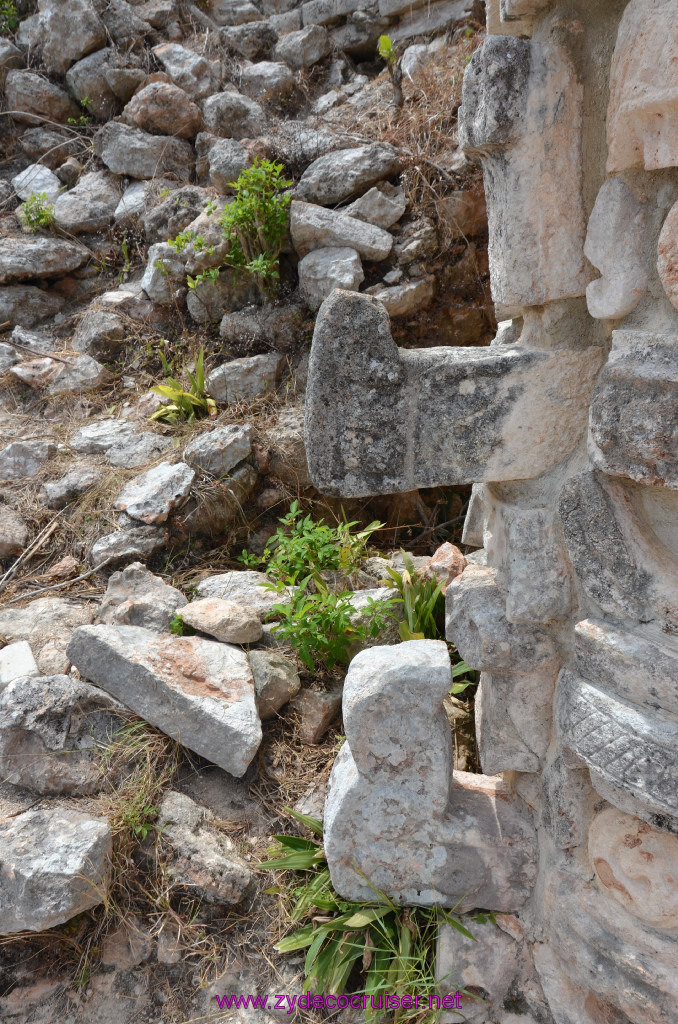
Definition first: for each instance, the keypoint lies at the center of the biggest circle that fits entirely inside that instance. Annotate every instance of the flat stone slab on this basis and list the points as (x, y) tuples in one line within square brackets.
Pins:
[(246, 587), (24, 258), (197, 691), (153, 495), (53, 865), (382, 420)]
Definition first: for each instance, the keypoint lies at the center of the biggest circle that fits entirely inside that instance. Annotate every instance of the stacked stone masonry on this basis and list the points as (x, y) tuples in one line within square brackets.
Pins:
[(567, 428)]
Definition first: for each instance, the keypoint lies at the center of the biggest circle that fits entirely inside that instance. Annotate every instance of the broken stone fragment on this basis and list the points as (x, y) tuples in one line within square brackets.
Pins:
[(47, 624), (247, 587), (54, 864), (316, 713), (199, 692), (323, 270), (24, 458), (123, 545), (379, 207), (101, 435), (135, 597), (135, 153), (38, 256), (385, 420), (407, 298), (276, 681), (667, 256), (13, 532), (139, 450), (90, 206), (303, 48), (32, 99), (245, 378), (163, 109), (200, 857), (51, 732), (227, 621), (346, 173), (191, 72), (267, 80), (219, 451), (68, 33), (314, 227), (153, 495), (16, 662), (58, 493), (35, 180)]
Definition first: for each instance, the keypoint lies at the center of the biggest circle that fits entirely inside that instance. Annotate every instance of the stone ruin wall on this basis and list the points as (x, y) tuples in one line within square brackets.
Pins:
[(568, 428)]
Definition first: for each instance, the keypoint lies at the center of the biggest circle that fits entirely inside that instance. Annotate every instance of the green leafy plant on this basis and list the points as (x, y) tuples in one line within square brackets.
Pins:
[(9, 17), (377, 948), (302, 545), (182, 240), (321, 625), (254, 224), (37, 212), (391, 56), (422, 602), (184, 405)]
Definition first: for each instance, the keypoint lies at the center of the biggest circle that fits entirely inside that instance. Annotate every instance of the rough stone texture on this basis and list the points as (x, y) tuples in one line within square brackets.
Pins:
[(667, 256), (347, 172), (197, 691), (313, 227), (201, 858), (24, 258), (31, 98), (99, 334), (35, 180), (129, 151), (323, 270), (139, 450), (434, 416), (135, 597), (614, 244), (191, 72), (267, 80), (24, 458), (247, 587), (316, 713), (253, 40), (228, 621), (153, 495), (245, 378), (13, 532), (123, 545), (233, 116), (379, 207), (68, 32), (101, 435), (276, 681), (225, 159), (53, 865), (90, 206), (633, 431), (163, 109), (27, 304), (16, 662), (304, 48), (407, 298), (521, 101), (51, 732), (218, 451), (92, 80), (47, 624), (641, 117), (391, 793)]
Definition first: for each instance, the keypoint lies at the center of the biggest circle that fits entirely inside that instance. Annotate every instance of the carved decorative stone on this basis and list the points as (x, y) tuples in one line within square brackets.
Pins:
[(521, 115), (381, 419)]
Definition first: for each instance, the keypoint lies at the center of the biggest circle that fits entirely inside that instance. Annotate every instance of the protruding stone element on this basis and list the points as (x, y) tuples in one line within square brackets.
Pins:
[(89, 206), (219, 451), (521, 114), (245, 378), (379, 207), (391, 795), (314, 227), (53, 865), (630, 752), (129, 151), (275, 681), (32, 98), (135, 597), (123, 545), (197, 691), (68, 32), (191, 72), (163, 109), (642, 120), (38, 256), (201, 858), (267, 80), (35, 180), (382, 420), (24, 458), (51, 731), (633, 428), (614, 245), (157, 492), (228, 621), (345, 173), (667, 256)]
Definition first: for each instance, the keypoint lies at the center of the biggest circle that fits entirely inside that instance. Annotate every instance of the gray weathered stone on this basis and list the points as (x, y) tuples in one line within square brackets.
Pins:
[(267, 80), (35, 180), (231, 115), (27, 305), (324, 12), (304, 48), (13, 532), (129, 151), (201, 858), (135, 597), (197, 691), (138, 450), (90, 82), (225, 158), (276, 681), (228, 621), (347, 172), (24, 458), (31, 98), (99, 334), (614, 245), (163, 109), (218, 451), (153, 495), (46, 623), (51, 731), (90, 206), (101, 435), (37, 256), (124, 545), (323, 270), (191, 72), (16, 662), (363, 436), (60, 492), (381, 208), (247, 587), (314, 227), (404, 299), (53, 865), (245, 378), (391, 794), (68, 32), (253, 40)]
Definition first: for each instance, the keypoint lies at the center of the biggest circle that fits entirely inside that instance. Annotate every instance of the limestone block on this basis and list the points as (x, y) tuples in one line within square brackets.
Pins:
[(247, 587), (198, 691), (500, 747), (324, 269), (630, 751), (569, 800), (637, 865), (391, 794), (667, 255), (538, 574), (313, 227), (383, 420), (36, 256), (227, 621), (151, 496), (521, 115), (642, 116), (135, 597), (496, 26), (345, 173), (633, 428), (191, 72), (16, 662), (614, 245), (608, 965)]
